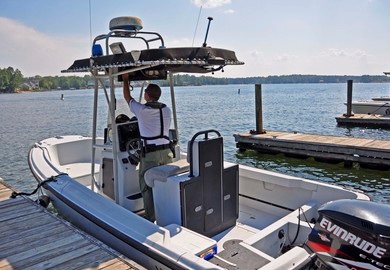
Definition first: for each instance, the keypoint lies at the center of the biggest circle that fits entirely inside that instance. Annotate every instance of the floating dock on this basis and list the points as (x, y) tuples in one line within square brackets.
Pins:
[(366, 120), (361, 120), (333, 149), (31, 237)]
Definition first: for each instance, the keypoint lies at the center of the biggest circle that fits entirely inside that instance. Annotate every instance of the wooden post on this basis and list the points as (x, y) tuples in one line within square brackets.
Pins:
[(349, 98), (259, 110)]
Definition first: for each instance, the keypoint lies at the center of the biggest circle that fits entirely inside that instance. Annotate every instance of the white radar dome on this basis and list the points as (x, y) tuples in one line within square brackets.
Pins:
[(126, 23)]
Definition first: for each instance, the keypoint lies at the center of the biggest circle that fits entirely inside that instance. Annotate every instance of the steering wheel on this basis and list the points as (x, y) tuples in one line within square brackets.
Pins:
[(133, 148)]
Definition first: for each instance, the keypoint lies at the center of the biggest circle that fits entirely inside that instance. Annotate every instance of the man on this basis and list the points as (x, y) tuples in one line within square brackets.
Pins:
[(154, 120)]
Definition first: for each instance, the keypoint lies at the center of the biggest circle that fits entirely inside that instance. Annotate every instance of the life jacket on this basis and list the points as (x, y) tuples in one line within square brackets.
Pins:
[(159, 106)]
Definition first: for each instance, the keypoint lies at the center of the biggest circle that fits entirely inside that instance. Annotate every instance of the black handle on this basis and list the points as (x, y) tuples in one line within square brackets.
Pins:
[(206, 137)]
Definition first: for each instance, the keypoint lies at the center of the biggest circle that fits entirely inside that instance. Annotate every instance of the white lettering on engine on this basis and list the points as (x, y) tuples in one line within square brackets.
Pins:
[(354, 240)]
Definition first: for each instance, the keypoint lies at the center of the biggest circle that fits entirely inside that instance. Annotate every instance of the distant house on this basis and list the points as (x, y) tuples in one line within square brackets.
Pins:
[(30, 84), (90, 84)]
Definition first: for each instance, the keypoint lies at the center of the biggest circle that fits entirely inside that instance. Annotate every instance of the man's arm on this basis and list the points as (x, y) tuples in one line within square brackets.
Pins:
[(126, 88)]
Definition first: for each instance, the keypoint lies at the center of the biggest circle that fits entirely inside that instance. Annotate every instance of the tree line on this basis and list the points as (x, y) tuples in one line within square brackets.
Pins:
[(12, 80), (295, 78)]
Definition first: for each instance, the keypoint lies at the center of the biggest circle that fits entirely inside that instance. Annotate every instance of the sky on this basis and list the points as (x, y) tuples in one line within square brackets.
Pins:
[(272, 37)]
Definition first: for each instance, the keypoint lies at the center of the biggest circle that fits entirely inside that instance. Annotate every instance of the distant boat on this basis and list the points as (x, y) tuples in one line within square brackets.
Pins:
[(377, 105), (371, 107), (381, 98)]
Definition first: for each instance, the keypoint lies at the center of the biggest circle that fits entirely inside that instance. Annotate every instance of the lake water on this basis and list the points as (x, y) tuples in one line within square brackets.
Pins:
[(309, 108)]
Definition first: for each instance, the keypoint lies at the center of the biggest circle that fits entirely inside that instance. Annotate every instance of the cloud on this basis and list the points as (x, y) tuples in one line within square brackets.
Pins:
[(210, 3), (351, 53), (256, 54), (229, 11), (335, 52), (37, 53), (360, 53), (285, 57), (178, 42)]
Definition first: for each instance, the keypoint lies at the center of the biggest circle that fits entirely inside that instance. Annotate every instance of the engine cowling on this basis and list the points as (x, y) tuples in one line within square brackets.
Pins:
[(351, 234)]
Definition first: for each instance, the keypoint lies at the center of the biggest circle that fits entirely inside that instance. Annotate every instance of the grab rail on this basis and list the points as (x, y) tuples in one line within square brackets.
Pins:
[(206, 137), (129, 34)]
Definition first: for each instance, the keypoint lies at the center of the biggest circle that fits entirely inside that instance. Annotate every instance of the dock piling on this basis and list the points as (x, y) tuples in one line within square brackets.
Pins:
[(259, 109), (349, 98)]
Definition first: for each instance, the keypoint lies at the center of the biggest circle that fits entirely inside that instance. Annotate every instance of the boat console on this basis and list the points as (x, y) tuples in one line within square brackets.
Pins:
[(127, 144)]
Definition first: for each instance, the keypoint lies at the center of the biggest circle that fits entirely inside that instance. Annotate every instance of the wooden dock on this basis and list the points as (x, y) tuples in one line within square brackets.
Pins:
[(31, 237), (366, 152), (364, 120)]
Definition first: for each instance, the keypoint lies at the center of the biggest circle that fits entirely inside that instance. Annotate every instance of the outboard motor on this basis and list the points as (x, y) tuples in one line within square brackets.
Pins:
[(351, 234)]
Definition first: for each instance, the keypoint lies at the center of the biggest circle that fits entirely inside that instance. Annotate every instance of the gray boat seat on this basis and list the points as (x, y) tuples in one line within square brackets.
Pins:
[(161, 173)]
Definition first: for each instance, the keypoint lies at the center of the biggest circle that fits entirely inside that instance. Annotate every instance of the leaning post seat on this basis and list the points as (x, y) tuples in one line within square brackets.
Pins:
[(202, 194), (165, 181), (210, 198), (203, 199)]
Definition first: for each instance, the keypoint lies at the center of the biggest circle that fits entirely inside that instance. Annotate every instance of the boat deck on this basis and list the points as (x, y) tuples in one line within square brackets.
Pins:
[(33, 238)]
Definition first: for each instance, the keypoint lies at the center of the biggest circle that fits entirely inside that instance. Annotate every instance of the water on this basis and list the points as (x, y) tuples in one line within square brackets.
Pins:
[(29, 117)]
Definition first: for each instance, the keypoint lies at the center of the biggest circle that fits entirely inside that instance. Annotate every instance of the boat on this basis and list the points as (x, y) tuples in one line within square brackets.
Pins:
[(376, 106), (210, 213), (382, 98), (372, 107)]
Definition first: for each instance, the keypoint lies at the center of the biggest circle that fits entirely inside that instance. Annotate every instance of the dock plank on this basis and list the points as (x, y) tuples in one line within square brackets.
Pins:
[(82, 259), (59, 255), (5, 191), (33, 238)]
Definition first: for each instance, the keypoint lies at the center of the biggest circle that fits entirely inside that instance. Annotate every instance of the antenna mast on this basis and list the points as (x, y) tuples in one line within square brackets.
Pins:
[(207, 32), (90, 23), (196, 27)]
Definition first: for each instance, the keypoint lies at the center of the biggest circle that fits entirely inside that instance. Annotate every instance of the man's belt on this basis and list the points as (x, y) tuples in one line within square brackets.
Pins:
[(153, 148)]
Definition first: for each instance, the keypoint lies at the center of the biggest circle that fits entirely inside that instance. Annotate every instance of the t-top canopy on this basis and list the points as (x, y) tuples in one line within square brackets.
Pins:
[(150, 63)]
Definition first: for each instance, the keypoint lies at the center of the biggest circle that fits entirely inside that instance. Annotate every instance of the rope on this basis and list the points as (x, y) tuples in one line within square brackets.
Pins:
[(299, 225), (384, 105), (50, 179)]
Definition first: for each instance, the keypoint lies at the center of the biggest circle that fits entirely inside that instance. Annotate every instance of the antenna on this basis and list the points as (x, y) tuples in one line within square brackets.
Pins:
[(196, 27), (207, 32), (90, 23)]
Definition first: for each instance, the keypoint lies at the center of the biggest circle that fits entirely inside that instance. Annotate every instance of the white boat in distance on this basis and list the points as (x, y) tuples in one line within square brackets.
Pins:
[(377, 105), (380, 107), (210, 214), (382, 98)]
